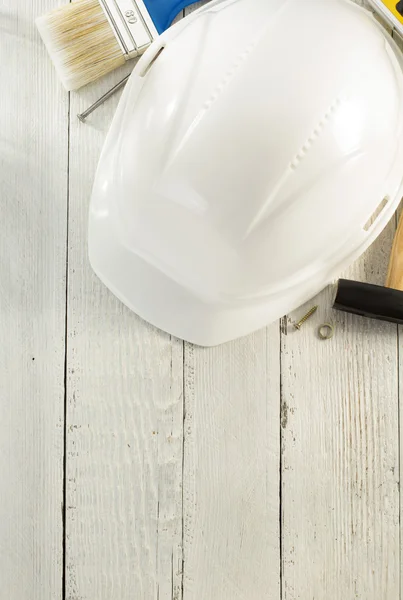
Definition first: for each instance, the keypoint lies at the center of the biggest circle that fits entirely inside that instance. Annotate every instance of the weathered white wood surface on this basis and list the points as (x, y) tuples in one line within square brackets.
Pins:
[(124, 417), (340, 452), (33, 203), (231, 476), (263, 469)]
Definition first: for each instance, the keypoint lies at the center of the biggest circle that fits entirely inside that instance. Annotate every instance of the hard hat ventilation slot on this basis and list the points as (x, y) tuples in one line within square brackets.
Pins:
[(152, 61), (376, 214)]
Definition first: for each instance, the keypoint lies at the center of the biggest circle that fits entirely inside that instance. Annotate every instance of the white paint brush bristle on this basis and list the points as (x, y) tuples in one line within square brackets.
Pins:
[(80, 42)]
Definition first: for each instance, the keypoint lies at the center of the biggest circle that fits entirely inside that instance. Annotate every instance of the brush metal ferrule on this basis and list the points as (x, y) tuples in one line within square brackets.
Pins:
[(132, 25)]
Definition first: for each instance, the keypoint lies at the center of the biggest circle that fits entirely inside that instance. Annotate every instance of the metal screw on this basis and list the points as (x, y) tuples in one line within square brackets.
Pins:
[(307, 316)]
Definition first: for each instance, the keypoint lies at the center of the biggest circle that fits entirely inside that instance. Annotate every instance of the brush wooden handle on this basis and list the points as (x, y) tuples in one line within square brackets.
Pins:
[(395, 273)]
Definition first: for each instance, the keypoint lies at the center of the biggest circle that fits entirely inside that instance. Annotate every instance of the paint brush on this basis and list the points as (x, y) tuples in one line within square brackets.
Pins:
[(87, 39)]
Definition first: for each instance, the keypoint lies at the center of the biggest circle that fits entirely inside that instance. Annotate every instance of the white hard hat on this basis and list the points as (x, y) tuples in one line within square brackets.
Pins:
[(249, 162)]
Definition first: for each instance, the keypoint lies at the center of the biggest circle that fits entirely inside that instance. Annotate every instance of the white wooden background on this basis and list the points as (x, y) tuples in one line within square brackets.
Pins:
[(136, 467)]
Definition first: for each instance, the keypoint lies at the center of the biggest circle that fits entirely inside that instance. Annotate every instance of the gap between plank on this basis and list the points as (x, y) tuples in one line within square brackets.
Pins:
[(183, 461), (281, 461), (183, 447), (396, 217), (399, 459), (64, 509)]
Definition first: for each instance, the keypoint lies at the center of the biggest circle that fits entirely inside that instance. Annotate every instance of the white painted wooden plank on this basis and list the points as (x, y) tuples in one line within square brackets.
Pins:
[(231, 475), (124, 416), (340, 453), (400, 435), (33, 201), (231, 468)]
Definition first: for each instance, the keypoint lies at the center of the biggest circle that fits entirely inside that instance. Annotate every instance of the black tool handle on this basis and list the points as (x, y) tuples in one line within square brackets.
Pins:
[(373, 301)]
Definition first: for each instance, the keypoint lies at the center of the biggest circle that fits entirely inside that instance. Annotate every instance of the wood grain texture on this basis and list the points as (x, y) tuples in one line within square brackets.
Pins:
[(340, 451), (124, 417), (33, 202), (231, 475)]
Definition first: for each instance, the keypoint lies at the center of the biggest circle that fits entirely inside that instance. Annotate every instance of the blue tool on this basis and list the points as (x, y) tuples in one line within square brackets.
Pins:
[(87, 39)]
